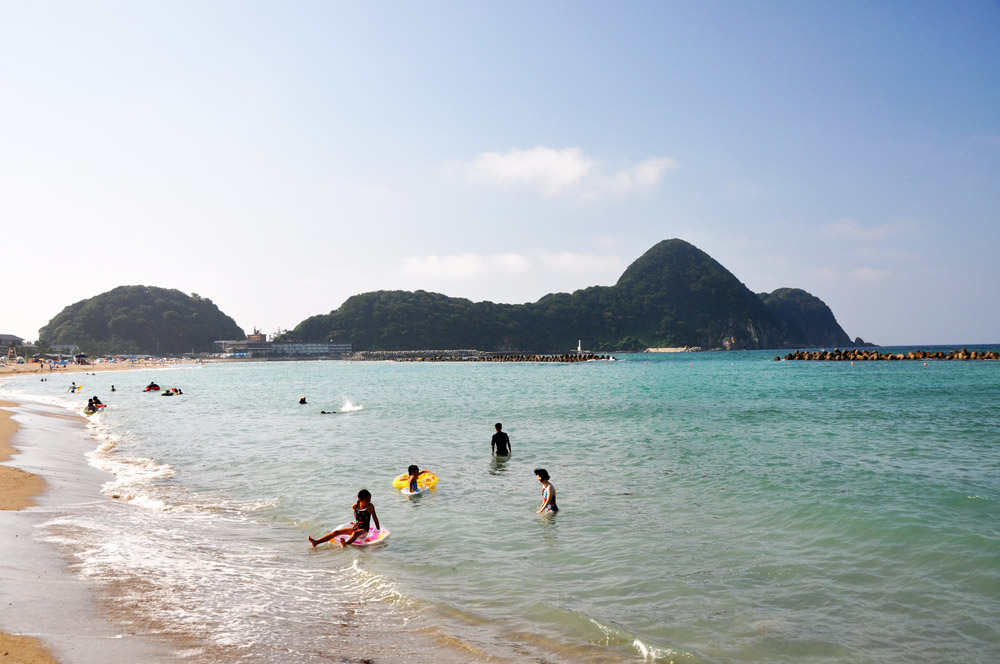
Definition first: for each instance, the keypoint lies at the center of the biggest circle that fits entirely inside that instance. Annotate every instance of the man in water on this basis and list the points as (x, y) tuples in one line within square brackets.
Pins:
[(501, 442)]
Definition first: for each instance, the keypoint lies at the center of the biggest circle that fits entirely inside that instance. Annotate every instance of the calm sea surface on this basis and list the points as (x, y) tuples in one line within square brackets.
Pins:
[(716, 508)]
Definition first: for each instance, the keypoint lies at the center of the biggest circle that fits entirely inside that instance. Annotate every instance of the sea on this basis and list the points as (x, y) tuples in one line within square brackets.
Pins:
[(715, 508)]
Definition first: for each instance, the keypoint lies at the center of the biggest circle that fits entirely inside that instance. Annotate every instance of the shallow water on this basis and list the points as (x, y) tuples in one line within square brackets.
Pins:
[(716, 507)]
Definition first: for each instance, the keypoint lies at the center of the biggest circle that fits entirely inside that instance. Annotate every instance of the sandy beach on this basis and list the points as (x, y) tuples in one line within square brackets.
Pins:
[(50, 617), (17, 488), (45, 370), (17, 491)]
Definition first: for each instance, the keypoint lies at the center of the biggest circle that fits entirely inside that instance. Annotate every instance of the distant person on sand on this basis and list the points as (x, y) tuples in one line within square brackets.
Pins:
[(548, 492), (364, 513), (501, 442)]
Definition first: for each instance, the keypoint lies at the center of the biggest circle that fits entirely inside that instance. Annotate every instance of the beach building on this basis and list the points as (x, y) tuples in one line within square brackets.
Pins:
[(259, 348), (11, 340)]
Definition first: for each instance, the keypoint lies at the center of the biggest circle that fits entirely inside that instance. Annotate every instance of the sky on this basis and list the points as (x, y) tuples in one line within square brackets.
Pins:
[(279, 158)]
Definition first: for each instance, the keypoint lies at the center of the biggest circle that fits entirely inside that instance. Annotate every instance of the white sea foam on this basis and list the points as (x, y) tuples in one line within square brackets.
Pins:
[(653, 654), (350, 407)]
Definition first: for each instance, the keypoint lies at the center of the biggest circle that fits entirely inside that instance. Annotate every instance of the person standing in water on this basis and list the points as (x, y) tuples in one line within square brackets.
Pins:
[(501, 442), (548, 492)]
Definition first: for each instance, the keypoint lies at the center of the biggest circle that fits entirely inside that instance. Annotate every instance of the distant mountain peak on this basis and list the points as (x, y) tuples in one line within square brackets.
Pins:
[(673, 295)]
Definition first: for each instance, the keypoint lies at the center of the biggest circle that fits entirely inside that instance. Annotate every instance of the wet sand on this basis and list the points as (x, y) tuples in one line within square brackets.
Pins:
[(49, 615), (17, 488), (17, 491)]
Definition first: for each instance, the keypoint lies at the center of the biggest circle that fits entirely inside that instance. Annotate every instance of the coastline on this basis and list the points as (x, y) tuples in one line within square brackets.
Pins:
[(17, 491), (51, 615), (18, 488), (42, 370), (56, 615)]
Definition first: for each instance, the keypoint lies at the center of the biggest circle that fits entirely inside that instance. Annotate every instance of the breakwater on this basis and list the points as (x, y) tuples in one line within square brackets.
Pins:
[(867, 355), (473, 356)]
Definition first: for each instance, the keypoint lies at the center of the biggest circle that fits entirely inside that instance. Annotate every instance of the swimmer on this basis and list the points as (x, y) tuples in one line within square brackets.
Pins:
[(414, 472), (302, 401), (548, 492)]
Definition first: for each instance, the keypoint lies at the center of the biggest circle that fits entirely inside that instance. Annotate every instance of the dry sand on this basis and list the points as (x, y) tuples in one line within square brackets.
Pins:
[(23, 650), (17, 490), (45, 370)]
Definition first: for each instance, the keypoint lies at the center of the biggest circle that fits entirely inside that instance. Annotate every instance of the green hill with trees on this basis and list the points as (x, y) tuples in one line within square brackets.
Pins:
[(141, 320), (673, 295)]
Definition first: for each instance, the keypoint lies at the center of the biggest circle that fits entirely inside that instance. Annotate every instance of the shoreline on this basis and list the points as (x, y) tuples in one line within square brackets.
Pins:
[(18, 490), (43, 370), (55, 615), (52, 616)]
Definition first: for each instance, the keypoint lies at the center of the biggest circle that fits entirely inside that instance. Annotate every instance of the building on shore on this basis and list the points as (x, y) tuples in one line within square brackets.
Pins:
[(256, 345), (11, 340)]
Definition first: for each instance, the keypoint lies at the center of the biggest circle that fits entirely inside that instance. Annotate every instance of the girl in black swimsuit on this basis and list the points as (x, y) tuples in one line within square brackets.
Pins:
[(364, 514)]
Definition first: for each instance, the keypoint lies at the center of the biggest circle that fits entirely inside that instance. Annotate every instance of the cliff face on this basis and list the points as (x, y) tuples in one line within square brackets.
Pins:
[(673, 295), (806, 320)]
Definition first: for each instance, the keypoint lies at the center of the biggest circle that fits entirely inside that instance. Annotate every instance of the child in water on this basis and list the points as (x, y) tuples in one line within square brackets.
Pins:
[(364, 513), (414, 474), (548, 492)]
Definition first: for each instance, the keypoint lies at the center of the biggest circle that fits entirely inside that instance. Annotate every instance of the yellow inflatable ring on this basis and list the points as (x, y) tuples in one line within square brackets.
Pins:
[(425, 480)]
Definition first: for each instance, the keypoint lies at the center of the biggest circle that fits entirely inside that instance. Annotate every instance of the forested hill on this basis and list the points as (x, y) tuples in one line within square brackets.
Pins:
[(673, 295), (141, 320)]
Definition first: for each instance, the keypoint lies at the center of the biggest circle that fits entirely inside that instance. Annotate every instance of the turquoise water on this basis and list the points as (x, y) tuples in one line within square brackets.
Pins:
[(716, 507)]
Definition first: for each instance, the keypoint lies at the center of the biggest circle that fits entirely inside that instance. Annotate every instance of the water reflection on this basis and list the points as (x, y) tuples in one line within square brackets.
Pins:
[(498, 465)]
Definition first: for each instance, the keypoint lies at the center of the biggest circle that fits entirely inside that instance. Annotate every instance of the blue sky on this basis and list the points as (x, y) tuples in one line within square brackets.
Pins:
[(281, 157)]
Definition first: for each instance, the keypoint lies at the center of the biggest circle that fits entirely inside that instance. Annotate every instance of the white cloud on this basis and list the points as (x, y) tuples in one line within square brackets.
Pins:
[(566, 172), (465, 266), (553, 171), (462, 266)]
